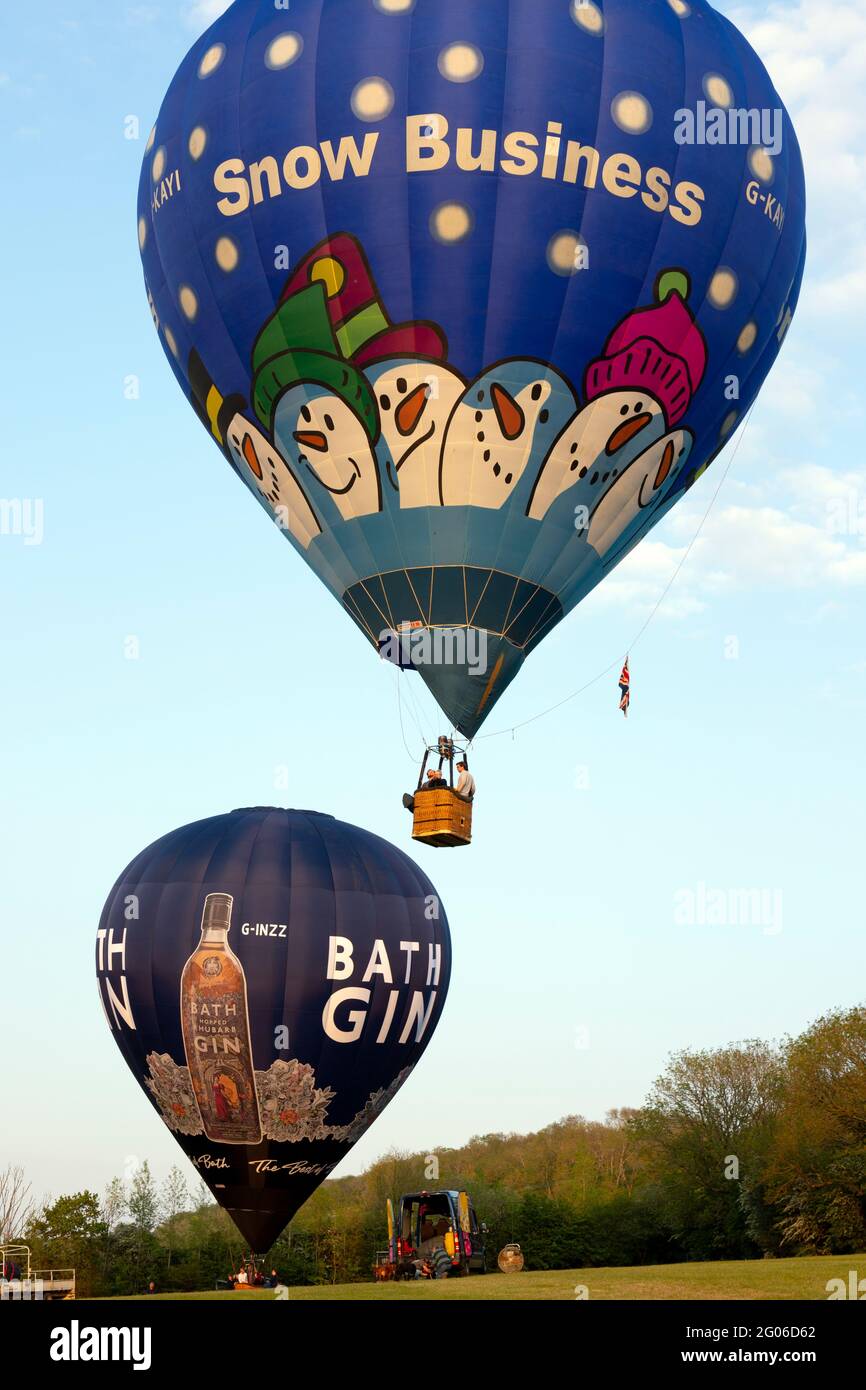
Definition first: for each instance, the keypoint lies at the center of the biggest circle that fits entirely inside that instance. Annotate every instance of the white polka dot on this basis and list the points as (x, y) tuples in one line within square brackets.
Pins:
[(227, 254), (142, 233), (461, 62), (680, 8), (718, 91), (172, 343), (761, 164), (587, 14), (372, 99), (566, 252), (283, 50), (728, 424), (158, 167), (723, 288), (188, 302), (198, 142), (150, 141), (212, 60), (748, 337), (451, 222), (632, 113), (394, 6)]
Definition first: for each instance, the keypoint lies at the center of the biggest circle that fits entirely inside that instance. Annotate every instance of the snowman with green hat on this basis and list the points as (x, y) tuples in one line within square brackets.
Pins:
[(252, 454), (623, 451), (318, 407)]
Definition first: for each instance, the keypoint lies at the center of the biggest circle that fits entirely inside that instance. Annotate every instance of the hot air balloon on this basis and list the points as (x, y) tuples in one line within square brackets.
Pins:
[(271, 978), (470, 294)]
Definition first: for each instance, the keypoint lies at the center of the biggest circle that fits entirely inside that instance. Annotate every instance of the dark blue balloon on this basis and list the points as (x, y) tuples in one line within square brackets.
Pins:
[(470, 294), (271, 977)]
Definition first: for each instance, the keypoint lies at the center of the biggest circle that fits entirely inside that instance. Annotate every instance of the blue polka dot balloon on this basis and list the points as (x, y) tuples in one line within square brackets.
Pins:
[(469, 294)]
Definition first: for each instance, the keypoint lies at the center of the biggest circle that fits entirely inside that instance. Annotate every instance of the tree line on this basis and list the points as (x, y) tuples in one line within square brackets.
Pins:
[(747, 1151)]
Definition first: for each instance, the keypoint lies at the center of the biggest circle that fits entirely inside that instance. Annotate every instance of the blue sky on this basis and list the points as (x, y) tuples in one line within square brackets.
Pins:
[(740, 767)]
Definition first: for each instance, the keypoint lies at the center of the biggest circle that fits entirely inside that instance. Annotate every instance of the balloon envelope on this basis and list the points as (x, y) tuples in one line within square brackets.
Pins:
[(271, 977), (469, 295)]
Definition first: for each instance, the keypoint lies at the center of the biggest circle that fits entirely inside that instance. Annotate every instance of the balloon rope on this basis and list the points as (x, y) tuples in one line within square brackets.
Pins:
[(614, 664), (409, 754), (419, 717)]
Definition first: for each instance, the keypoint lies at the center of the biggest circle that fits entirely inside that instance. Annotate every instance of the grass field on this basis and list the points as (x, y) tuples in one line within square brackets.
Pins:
[(734, 1279)]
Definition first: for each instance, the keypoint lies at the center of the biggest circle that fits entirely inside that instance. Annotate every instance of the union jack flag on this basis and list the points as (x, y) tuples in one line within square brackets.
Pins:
[(625, 689)]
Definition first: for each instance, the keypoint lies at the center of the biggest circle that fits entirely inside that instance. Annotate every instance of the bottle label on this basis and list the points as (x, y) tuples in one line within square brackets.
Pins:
[(219, 1057)]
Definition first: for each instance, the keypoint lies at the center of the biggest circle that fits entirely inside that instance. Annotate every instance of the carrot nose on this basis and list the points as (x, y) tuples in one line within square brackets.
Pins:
[(409, 412), (627, 431), (248, 449), (511, 418), (312, 440), (665, 465)]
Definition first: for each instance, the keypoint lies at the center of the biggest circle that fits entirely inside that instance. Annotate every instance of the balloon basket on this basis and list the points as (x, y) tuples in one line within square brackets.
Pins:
[(442, 819)]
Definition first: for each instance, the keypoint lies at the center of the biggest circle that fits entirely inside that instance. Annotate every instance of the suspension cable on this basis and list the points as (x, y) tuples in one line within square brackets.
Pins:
[(512, 728)]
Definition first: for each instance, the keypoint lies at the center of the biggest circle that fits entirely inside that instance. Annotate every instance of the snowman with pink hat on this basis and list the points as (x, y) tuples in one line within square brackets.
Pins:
[(623, 452)]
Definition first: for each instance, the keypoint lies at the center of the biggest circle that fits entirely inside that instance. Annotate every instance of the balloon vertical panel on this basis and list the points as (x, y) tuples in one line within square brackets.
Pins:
[(271, 978)]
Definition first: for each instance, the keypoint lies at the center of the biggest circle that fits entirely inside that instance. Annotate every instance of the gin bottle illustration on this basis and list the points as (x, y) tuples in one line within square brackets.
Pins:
[(216, 1031)]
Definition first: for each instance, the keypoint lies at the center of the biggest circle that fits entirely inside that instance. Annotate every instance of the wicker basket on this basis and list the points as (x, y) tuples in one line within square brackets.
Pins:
[(442, 818)]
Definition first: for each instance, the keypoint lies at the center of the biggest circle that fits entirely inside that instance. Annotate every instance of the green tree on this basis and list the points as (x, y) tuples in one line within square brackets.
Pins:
[(143, 1203), (173, 1199), (68, 1234), (704, 1130), (817, 1164), (114, 1203)]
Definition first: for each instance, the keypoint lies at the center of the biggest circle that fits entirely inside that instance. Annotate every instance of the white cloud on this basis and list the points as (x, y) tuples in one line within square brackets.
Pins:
[(793, 389), (644, 576), (199, 14), (815, 52), (840, 294), (813, 537), (768, 547), (819, 492)]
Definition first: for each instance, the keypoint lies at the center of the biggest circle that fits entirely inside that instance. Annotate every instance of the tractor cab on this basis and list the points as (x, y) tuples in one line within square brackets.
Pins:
[(441, 816), (435, 1234)]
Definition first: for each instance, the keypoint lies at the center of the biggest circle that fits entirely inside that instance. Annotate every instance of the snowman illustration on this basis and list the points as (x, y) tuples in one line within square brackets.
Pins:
[(318, 408), (253, 455), (636, 393), (311, 386), (643, 484), (595, 447), (415, 399), (509, 415)]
